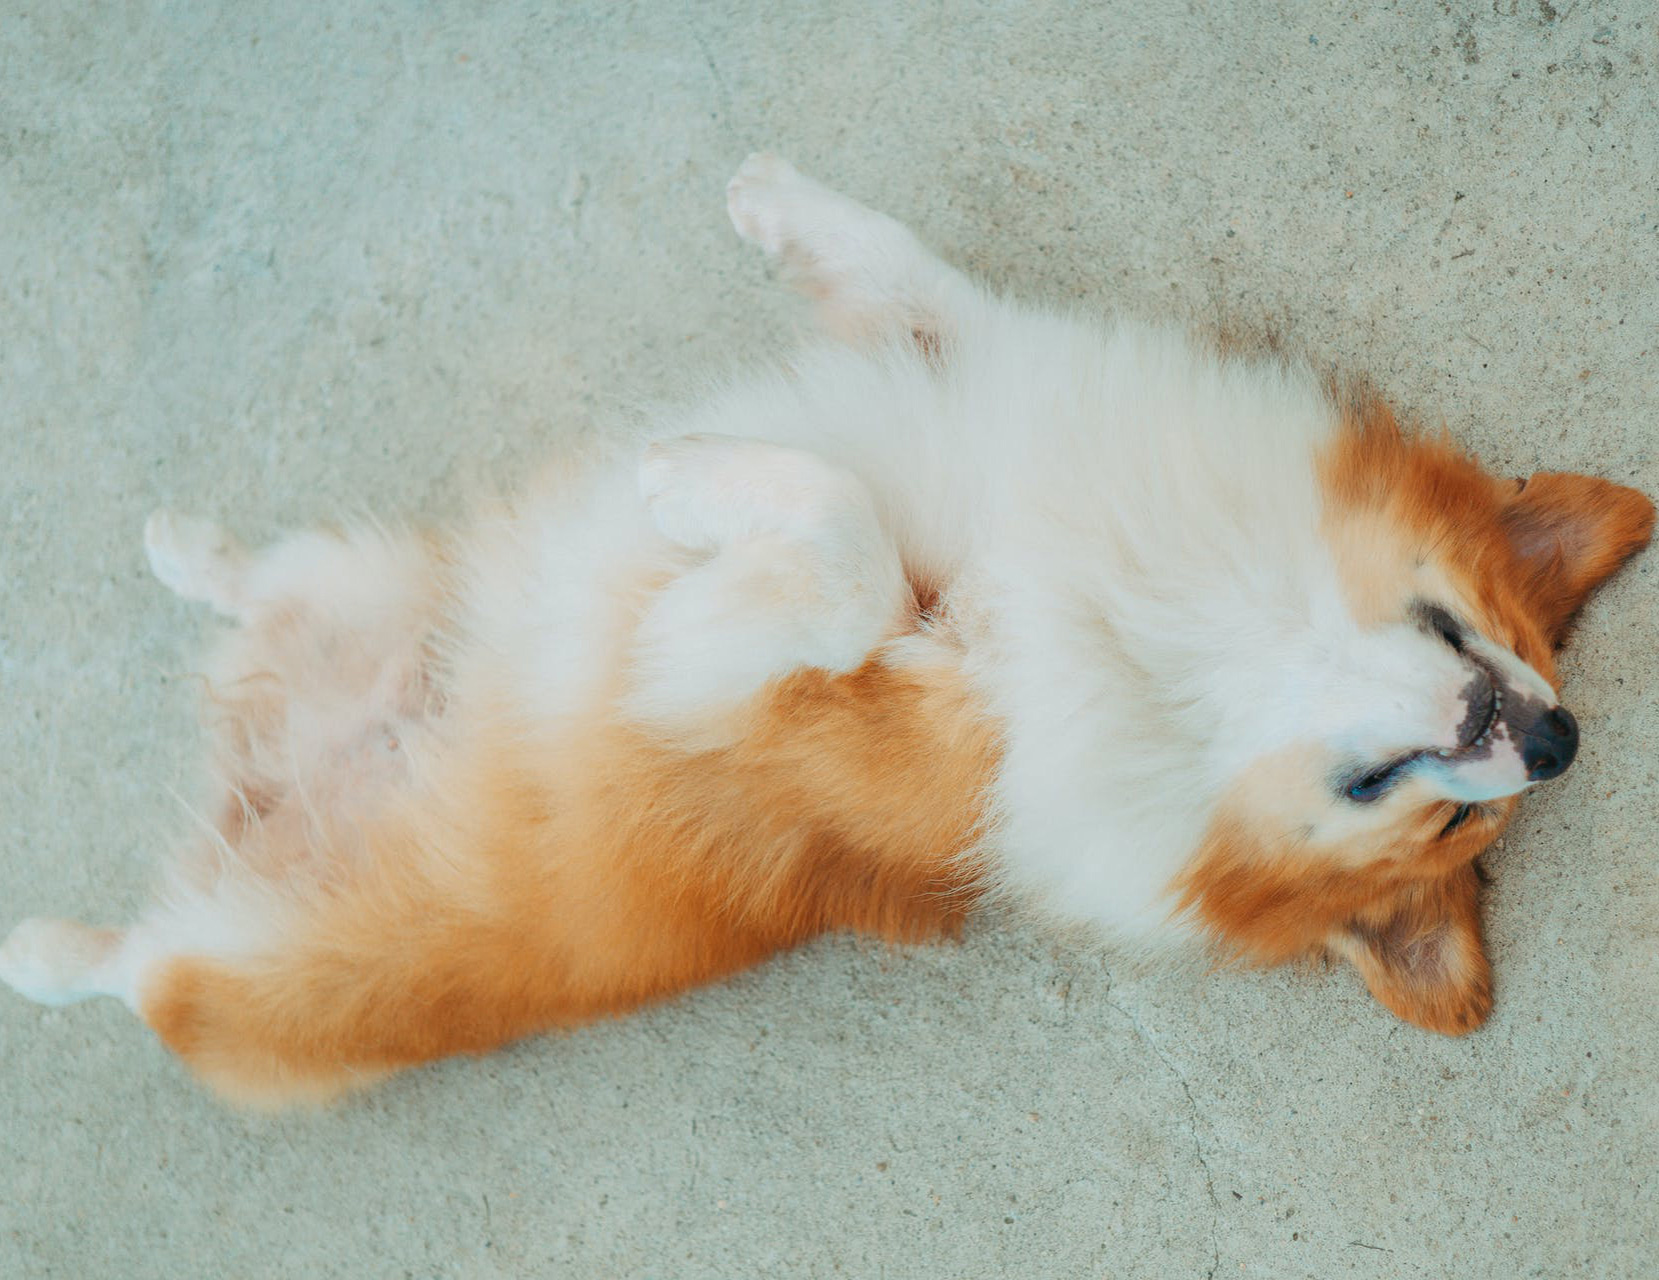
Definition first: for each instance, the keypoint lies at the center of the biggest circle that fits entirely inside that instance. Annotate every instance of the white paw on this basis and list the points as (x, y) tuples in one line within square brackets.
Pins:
[(705, 491), (775, 206), (681, 483), (864, 269), (51, 961), (761, 199), (714, 636), (805, 576), (192, 557)]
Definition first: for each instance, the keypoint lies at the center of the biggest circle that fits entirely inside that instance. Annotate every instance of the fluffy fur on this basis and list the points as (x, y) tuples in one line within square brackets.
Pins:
[(970, 598)]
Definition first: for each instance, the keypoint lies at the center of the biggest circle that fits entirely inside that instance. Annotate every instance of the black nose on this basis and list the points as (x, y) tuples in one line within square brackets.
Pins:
[(1549, 744)]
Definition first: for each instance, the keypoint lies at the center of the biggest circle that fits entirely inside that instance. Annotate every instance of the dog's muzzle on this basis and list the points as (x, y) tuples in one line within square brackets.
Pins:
[(1548, 743)]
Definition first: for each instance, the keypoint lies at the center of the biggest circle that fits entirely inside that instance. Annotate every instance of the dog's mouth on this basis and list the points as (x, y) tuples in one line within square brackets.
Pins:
[(1485, 703), (1476, 729)]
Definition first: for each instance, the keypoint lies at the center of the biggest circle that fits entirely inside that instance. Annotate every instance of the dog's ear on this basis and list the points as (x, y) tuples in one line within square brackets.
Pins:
[(1422, 955), (1569, 533)]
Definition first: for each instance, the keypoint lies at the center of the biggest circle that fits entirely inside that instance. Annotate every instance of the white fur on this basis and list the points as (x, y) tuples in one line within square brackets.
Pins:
[(1122, 524), (802, 575), (867, 272), (1126, 525)]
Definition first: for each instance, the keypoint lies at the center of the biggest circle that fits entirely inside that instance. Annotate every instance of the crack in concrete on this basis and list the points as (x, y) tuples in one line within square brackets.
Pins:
[(1196, 1115), (723, 97)]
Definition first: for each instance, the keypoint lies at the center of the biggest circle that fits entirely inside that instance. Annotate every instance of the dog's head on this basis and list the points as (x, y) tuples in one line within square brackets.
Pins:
[(1423, 705)]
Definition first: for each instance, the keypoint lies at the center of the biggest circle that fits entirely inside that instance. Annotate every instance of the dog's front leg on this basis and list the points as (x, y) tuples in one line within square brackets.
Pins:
[(870, 276), (800, 574)]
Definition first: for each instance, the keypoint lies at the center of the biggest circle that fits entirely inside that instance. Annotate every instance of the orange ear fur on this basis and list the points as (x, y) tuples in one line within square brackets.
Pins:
[(1570, 533), (1422, 955)]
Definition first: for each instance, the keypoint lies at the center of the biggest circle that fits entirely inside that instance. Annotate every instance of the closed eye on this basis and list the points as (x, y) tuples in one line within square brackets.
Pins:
[(1460, 815), (1373, 785), (1442, 624)]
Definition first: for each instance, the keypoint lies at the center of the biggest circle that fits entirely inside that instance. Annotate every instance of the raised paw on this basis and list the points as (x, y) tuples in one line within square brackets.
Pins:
[(821, 234), (868, 274), (763, 197), (56, 961), (195, 559), (805, 576), (705, 491)]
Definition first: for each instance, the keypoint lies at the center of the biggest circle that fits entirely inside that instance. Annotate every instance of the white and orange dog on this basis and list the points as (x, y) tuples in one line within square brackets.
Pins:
[(970, 599)]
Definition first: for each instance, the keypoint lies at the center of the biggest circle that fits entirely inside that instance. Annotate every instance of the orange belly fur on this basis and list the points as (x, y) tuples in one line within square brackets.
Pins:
[(551, 883)]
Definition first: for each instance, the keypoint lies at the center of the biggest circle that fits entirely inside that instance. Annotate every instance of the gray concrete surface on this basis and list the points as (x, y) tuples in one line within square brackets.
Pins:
[(272, 261)]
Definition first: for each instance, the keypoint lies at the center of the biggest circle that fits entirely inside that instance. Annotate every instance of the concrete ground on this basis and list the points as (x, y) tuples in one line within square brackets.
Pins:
[(273, 261)]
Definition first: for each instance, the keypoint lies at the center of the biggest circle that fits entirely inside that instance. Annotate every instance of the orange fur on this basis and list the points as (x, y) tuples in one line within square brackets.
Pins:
[(426, 847), (1421, 953), (553, 882), (1403, 906), (1571, 532), (557, 882)]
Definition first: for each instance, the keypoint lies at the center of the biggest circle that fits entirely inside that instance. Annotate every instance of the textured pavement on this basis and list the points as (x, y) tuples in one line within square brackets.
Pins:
[(272, 262)]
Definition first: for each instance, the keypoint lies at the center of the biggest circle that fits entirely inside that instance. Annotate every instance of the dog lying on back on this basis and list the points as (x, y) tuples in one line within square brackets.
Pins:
[(970, 598)]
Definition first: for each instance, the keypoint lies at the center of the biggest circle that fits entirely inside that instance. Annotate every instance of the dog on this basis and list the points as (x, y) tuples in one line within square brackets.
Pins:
[(968, 599)]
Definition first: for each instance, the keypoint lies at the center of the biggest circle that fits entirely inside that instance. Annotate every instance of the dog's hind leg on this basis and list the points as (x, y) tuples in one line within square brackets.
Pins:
[(197, 560), (870, 275), (313, 701), (338, 582), (56, 962)]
